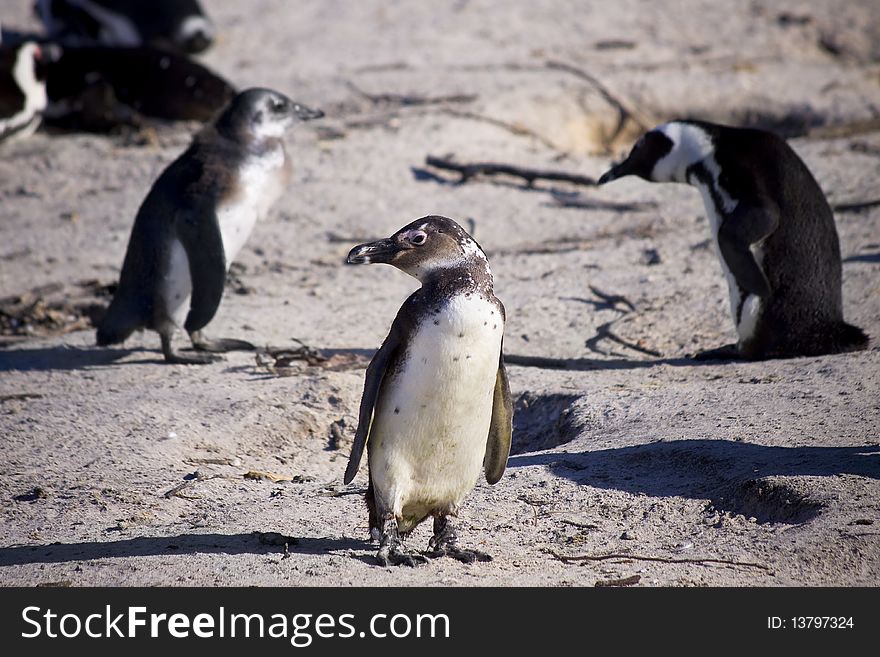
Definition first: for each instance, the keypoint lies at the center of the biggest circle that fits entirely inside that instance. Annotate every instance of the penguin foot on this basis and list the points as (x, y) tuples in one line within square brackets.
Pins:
[(444, 543), (175, 358), (391, 552), (395, 556), (219, 346), (727, 352)]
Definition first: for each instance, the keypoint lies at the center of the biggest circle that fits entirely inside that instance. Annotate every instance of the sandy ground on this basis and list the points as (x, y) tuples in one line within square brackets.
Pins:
[(722, 474)]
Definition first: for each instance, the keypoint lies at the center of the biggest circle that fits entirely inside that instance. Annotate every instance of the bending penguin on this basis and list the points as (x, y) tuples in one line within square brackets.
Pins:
[(195, 220), (436, 406), (773, 230)]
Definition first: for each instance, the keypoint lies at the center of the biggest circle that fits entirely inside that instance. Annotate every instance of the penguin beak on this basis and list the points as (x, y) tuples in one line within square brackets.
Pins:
[(381, 251), (304, 113), (615, 172)]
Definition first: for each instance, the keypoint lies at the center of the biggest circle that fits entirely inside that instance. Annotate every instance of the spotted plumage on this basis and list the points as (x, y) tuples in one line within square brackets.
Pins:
[(436, 406)]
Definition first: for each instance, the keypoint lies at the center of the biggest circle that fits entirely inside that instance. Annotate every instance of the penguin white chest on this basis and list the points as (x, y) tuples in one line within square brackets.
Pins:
[(431, 424), (260, 183), (744, 311)]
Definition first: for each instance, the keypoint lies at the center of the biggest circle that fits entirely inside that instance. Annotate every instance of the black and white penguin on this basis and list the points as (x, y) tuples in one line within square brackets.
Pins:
[(195, 220), (100, 88), (436, 406), (773, 230), (22, 89), (178, 24)]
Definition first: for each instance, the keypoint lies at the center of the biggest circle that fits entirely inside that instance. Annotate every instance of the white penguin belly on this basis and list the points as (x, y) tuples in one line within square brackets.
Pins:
[(429, 434), (177, 284), (751, 305), (260, 185)]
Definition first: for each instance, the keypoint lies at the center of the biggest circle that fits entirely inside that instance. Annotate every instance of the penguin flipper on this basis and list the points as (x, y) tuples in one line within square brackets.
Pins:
[(744, 227), (500, 429), (198, 230), (372, 385)]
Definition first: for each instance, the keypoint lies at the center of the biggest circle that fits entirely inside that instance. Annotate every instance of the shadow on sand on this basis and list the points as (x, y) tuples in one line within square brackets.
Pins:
[(730, 474), (168, 545)]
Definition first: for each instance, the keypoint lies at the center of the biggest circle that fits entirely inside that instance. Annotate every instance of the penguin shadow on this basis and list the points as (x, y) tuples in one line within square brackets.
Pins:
[(731, 474), (145, 546), (61, 358)]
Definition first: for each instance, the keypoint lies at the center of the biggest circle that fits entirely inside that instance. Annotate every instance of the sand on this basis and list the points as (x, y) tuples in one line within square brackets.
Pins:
[(740, 474)]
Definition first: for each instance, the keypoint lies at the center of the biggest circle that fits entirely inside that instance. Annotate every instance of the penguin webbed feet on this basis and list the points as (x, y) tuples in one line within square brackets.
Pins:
[(392, 552), (444, 543), (725, 352), (201, 342), (175, 358)]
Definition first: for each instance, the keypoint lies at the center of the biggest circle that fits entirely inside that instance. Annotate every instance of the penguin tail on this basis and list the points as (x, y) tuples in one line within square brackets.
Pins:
[(118, 324), (847, 337)]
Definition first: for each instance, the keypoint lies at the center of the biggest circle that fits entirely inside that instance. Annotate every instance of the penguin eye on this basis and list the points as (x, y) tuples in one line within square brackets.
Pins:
[(278, 105), (418, 239)]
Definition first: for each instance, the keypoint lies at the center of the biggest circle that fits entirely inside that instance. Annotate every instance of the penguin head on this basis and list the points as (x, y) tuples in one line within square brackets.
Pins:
[(423, 249), (262, 114), (665, 153)]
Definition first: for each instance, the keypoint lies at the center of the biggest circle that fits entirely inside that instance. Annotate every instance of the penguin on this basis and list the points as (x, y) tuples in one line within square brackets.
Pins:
[(99, 88), (773, 231), (178, 24), (436, 405), (23, 97), (195, 219)]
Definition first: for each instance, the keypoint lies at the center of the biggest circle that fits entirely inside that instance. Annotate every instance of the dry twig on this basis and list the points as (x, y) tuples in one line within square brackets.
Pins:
[(175, 492), (624, 109), (574, 558), (855, 206), (468, 171)]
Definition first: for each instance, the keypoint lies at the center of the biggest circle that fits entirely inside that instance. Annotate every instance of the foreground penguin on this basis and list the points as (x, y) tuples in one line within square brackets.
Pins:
[(436, 406), (178, 24), (774, 233), (195, 220), (22, 89)]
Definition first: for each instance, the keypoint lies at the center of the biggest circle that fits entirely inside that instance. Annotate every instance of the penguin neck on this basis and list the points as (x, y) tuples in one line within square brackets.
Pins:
[(466, 276), (692, 145)]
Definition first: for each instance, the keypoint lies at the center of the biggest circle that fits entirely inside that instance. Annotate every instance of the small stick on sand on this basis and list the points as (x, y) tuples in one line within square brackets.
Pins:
[(468, 171), (175, 492), (574, 558), (855, 206), (624, 109), (408, 100)]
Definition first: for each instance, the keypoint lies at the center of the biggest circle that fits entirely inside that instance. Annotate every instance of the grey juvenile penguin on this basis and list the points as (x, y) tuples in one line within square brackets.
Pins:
[(195, 220), (773, 229), (436, 406)]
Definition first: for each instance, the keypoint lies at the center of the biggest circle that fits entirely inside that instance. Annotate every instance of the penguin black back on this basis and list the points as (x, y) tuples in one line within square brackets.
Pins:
[(95, 88), (178, 24)]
